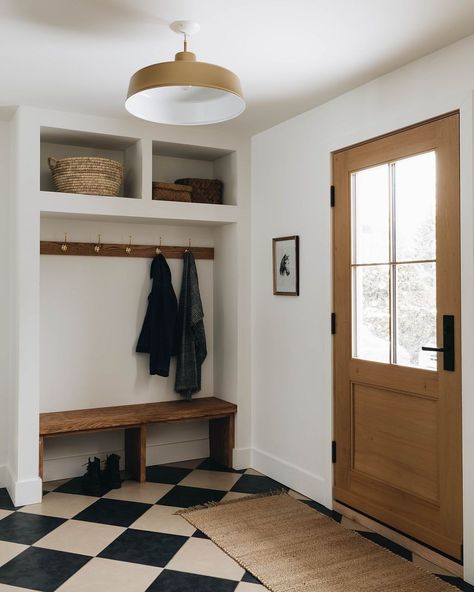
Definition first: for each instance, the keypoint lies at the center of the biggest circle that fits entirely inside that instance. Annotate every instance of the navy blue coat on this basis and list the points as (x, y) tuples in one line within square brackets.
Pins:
[(157, 336)]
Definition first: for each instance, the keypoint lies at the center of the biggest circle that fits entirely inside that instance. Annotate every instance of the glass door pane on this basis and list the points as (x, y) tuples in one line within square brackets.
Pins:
[(394, 261), (370, 212), (416, 314), (371, 313), (415, 207)]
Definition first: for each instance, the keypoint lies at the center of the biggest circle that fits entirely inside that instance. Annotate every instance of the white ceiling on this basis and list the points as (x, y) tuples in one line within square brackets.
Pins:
[(78, 55)]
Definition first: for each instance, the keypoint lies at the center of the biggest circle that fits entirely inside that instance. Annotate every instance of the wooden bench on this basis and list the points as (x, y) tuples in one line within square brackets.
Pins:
[(134, 419)]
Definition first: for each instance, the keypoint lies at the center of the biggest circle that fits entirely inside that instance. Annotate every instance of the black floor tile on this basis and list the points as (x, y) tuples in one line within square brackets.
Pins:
[(391, 546), (323, 510), (257, 484), (41, 569), (176, 581), (75, 486), (141, 546), (5, 500), (458, 583), (114, 512), (249, 578), (211, 465), (27, 528), (185, 497), (198, 534), (165, 474)]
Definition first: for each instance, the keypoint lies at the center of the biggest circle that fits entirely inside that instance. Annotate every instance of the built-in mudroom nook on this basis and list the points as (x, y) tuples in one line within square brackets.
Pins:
[(87, 279)]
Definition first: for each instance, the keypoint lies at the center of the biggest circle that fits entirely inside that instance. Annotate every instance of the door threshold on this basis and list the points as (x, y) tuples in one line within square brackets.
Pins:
[(427, 553)]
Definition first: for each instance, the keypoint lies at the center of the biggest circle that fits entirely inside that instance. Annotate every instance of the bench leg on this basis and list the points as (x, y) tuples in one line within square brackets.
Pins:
[(221, 440), (135, 453), (41, 457)]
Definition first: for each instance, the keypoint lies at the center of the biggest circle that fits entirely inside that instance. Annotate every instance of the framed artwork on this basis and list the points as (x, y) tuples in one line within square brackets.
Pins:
[(286, 266)]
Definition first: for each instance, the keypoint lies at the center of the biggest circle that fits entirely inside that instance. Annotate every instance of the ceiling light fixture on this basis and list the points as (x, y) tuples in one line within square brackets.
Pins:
[(185, 92)]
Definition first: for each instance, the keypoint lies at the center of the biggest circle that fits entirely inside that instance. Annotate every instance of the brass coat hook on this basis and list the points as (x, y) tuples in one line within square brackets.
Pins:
[(128, 249), (158, 249), (64, 245), (98, 246)]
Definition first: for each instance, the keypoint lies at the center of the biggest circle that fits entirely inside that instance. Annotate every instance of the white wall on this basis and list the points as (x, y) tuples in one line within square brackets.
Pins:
[(4, 296), (91, 313), (291, 175), (167, 168)]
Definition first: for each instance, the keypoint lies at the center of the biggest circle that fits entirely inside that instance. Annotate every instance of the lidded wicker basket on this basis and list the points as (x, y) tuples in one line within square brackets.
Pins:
[(89, 175), (171, 191), (204, 190)]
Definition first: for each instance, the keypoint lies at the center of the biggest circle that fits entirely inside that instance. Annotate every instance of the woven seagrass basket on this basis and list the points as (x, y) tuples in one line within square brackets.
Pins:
[(87, 174)]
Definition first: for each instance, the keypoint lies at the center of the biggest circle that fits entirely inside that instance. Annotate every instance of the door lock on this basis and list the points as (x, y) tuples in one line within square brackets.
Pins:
[(448, 343)]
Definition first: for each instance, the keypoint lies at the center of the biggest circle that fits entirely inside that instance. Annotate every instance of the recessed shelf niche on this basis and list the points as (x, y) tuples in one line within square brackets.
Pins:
[(176, 161), (60, 143)]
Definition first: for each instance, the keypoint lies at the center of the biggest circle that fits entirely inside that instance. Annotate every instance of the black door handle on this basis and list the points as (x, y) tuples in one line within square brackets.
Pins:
[(448, 343)]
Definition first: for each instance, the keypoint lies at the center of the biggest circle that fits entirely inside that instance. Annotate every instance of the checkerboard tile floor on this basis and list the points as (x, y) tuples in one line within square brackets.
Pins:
[(131, 540)]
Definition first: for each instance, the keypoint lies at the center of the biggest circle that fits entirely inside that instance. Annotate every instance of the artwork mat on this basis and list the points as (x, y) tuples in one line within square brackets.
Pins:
[(295, 266)]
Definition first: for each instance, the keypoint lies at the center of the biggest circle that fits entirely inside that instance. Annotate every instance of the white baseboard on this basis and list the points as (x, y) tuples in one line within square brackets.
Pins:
[(23, 493), (309, 484), (177, 451), (242, 458), (66, 467)]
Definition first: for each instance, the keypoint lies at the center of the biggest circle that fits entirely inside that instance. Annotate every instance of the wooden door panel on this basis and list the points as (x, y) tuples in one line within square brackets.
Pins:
[(414, 380), (395, 440), (419, 521), (398, 428)]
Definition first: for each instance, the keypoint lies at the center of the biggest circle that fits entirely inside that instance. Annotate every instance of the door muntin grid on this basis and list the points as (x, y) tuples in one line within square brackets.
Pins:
[(393, 261)]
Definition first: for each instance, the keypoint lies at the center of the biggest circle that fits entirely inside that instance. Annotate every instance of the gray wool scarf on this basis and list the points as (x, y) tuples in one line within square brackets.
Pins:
[(191, 347)]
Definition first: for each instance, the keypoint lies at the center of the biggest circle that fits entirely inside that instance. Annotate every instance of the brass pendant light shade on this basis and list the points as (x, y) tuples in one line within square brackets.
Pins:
[(185, 92)]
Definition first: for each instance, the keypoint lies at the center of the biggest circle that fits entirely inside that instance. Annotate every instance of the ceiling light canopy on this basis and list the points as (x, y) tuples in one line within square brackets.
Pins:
[(185, 92)]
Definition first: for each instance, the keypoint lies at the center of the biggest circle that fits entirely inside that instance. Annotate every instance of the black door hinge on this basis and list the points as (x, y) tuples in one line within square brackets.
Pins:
[(462, 552), (333, 323), (334, 452), (333, 196)]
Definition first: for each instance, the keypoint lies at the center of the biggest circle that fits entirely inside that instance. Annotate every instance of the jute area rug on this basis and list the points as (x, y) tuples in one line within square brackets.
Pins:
[(290, 547)]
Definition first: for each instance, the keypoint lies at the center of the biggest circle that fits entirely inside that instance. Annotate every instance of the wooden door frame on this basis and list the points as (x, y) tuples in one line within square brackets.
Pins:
[(344, 350)]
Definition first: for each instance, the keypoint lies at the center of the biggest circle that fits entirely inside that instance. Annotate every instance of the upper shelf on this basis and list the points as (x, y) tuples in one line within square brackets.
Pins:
[(144, 161), (93, 207)]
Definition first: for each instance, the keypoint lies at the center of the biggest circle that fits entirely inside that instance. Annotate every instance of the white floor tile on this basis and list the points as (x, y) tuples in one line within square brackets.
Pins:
[(298, 496), (60, 505), (7, 588), (211, 479), (104, 575), (234, 495), (163, 519), (202, 556), (85, 538), (132, 491), (9, 551), (254, 472), (50, 485)]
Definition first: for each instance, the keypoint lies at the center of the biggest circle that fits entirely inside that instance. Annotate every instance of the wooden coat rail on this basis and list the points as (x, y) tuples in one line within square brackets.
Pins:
[(121, 250)]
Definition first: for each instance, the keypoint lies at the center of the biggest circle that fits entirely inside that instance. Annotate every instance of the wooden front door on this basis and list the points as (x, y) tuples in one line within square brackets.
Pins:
[(397, 290)]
